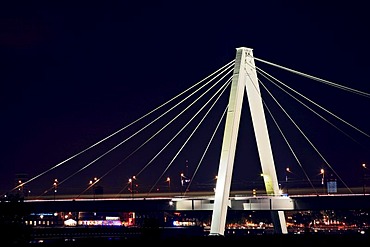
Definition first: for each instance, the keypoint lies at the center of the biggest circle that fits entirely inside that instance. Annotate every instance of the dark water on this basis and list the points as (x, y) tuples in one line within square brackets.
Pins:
[(149, 239), (20, 235)]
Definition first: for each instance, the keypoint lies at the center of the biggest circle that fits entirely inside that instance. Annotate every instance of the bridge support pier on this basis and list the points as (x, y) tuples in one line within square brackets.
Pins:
[(244, 77)]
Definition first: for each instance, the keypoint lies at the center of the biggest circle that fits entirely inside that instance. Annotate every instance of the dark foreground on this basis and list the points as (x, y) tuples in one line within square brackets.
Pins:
[(255, 240), (188, 236)]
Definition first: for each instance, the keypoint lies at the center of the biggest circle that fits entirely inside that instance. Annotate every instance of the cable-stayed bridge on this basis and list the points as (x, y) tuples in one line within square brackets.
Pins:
[(155, 166)]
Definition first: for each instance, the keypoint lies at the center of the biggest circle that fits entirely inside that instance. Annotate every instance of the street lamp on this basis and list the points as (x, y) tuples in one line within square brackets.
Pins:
[(55, 187), (20, 186), (182, 182), (169, 183), (92, 185), (214, 189), (287, 170), (280, 190), (131, 182), (322, 172), (364, 178)]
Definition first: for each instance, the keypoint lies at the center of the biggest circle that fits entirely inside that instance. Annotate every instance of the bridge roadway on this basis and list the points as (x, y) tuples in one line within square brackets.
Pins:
[(197, 201)]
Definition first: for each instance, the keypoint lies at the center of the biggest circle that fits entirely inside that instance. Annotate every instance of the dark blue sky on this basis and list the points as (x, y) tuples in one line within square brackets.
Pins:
[(71, 74)]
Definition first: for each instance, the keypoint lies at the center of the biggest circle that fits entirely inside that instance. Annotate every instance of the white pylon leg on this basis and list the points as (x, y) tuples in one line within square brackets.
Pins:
[(244, 76), (262, 138), (228, 146)]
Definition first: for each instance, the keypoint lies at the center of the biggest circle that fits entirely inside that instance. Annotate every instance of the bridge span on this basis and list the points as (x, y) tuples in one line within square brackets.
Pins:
[(200, 203)]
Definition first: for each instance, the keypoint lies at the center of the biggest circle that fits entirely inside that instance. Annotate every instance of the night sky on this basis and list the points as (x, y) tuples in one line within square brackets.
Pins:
[(72, 74)]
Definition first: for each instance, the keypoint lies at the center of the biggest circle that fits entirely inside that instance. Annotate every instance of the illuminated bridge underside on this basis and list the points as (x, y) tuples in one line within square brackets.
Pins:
[(270, 203)]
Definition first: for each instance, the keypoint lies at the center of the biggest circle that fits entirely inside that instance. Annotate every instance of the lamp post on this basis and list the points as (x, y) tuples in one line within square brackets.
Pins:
[(215, 179), (364, 178), (131, 182), (322, 172), (168, 180), (182, 177), (20, 186), (287, 170), (184, 183), (280, 190), (55, 187), (92, 185)]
